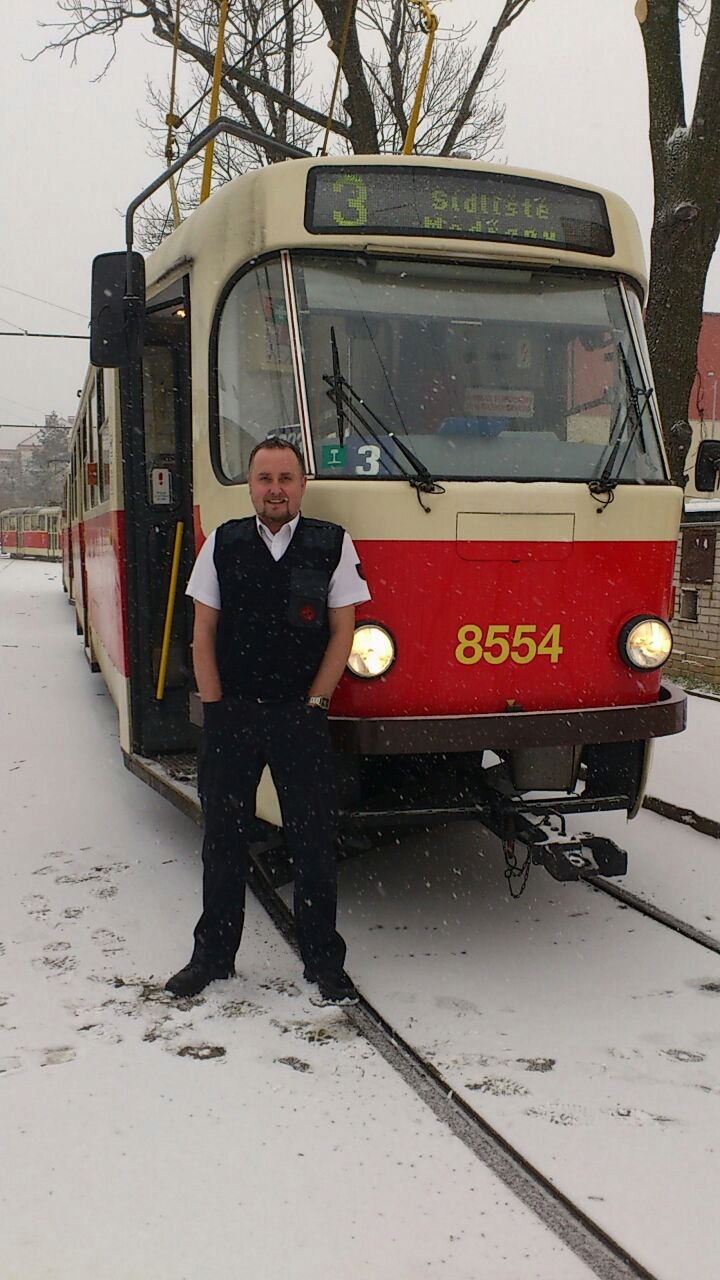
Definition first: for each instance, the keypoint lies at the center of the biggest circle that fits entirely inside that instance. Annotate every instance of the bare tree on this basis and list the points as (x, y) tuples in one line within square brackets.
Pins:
[(41, 483), (266, 79), (266, 84), (686, 222)]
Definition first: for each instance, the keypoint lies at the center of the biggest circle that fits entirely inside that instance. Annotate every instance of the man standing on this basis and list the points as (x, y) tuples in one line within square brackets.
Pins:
[(275, 598)]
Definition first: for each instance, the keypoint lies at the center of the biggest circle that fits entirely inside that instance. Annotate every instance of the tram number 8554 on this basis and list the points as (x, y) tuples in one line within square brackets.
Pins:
[(498, 645)]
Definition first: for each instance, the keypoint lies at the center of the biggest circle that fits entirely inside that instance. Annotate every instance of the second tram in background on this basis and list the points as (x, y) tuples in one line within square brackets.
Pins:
[(31, 533), (458, 351)]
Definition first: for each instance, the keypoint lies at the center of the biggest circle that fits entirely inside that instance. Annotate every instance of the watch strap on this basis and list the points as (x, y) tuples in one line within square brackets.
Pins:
[(318, 700)]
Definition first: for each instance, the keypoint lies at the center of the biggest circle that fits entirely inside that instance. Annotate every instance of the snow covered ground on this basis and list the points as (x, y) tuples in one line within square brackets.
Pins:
[(248, 1133), (244, 1133), (585, 1033), (686, 768)]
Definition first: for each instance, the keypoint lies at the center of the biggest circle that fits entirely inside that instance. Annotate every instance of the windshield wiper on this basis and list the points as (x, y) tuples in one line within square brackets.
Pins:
[(349, 404), (638, 401), (335, 393)]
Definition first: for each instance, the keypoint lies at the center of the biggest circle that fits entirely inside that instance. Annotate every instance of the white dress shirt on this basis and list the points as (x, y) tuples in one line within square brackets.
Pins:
[(346, 584)]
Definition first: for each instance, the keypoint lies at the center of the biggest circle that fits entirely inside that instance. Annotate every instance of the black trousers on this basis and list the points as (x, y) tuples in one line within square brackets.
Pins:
[(239, 738)]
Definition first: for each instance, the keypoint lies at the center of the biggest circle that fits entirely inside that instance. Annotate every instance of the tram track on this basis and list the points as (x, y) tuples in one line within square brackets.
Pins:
[(602, 1253), (685, 817), (181, 791), (570, 1223), (648, 909), (604, 1256)]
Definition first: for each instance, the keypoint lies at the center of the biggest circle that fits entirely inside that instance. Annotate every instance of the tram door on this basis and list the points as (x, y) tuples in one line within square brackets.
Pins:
[(157, 468)]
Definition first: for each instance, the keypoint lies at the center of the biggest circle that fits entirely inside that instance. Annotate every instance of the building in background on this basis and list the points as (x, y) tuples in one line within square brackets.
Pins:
[(32, 461), (696, 622), (17, 445), (704, 408)]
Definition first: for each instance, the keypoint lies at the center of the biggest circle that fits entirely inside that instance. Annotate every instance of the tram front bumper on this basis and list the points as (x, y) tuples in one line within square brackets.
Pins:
[(415, 735)]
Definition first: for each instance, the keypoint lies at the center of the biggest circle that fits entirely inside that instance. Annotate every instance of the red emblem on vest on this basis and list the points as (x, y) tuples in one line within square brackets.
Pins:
[(307, 613)]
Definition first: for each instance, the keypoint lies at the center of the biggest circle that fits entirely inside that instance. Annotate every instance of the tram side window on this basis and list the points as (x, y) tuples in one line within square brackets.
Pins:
[(79, 477), (256, 391), (103, 430), (88, 461), (93, 449)]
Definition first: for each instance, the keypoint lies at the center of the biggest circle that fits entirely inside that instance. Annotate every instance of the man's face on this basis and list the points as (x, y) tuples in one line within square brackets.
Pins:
[(276, 486)]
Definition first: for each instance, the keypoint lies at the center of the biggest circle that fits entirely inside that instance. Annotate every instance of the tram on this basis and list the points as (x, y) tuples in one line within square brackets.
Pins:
[(31, 533), (458, 351)]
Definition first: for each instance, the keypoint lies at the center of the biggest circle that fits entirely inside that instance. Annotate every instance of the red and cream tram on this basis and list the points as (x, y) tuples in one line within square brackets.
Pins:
[(458, 350), (31, 533)]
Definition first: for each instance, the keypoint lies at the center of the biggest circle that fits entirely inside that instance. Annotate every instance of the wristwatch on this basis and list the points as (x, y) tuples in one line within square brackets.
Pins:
[(318, 700)]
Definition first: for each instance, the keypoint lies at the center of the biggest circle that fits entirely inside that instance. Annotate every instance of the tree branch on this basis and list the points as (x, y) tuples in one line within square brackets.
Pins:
[(512, 9), (358, 103), (661, 37), (705, 129)]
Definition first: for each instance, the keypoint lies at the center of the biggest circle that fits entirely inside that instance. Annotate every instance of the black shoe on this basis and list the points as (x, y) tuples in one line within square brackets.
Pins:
[(334, 988), (194, 978)]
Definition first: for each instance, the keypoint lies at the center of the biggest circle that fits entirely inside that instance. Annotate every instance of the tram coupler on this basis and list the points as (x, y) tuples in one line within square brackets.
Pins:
[(580, 856), (566, 857), (569, 857)]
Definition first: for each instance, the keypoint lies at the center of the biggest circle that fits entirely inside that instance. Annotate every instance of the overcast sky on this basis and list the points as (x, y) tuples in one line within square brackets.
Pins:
[(74, 156)]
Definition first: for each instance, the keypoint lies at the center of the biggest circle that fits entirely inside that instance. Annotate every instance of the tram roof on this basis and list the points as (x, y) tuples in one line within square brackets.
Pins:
[(253, 215)]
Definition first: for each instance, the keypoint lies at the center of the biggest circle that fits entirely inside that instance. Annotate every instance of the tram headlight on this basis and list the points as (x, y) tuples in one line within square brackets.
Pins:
[(645, 643), (373, 651)]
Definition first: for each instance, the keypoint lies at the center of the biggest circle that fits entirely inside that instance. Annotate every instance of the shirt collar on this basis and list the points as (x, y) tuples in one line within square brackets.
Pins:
[(287, 529)]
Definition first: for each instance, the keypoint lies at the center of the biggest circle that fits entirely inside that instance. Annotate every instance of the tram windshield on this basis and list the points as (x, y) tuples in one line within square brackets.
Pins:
[(482, 372)]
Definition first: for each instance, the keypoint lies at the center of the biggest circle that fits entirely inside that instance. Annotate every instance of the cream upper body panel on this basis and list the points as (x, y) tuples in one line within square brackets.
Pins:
[(389, 511), (263, 211)]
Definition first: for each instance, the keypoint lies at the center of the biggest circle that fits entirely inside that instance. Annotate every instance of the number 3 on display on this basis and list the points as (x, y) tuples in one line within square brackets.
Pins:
[(371, 464), (498, 647), (354, 191)]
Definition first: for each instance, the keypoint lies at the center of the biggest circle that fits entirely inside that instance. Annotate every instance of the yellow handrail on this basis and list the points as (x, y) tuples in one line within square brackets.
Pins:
[(430, 26), (171, 119), (214, 100), (169, 612)]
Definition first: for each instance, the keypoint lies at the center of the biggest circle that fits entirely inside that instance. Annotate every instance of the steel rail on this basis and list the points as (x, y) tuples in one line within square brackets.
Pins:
[(605, 1257), (644, 908)]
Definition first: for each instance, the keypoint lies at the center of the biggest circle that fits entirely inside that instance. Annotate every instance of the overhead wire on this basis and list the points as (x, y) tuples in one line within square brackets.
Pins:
[(47, 302), (26, 333), (4, 320)]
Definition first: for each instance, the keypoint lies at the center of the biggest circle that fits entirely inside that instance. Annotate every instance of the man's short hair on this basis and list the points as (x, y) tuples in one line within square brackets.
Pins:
[(277, 442)]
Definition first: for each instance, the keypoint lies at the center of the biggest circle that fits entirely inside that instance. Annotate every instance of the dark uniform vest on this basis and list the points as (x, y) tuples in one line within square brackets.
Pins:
[(273, 628)]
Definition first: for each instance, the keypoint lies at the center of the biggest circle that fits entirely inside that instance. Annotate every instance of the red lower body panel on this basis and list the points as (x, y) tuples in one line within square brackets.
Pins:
[(106, 584), (487, 627)]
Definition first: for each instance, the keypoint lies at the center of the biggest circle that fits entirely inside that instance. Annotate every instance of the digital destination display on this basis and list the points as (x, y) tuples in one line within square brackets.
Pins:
[(417, 200)]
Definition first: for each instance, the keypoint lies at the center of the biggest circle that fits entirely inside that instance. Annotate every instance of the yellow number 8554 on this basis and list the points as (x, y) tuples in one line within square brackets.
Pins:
[(497, 646)]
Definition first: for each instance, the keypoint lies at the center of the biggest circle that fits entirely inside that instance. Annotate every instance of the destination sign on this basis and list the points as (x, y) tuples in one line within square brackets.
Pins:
[(417, 200)]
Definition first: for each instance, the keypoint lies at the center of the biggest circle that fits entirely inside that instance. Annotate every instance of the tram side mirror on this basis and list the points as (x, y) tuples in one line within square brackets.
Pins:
[(707, 466), (117, 309)]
